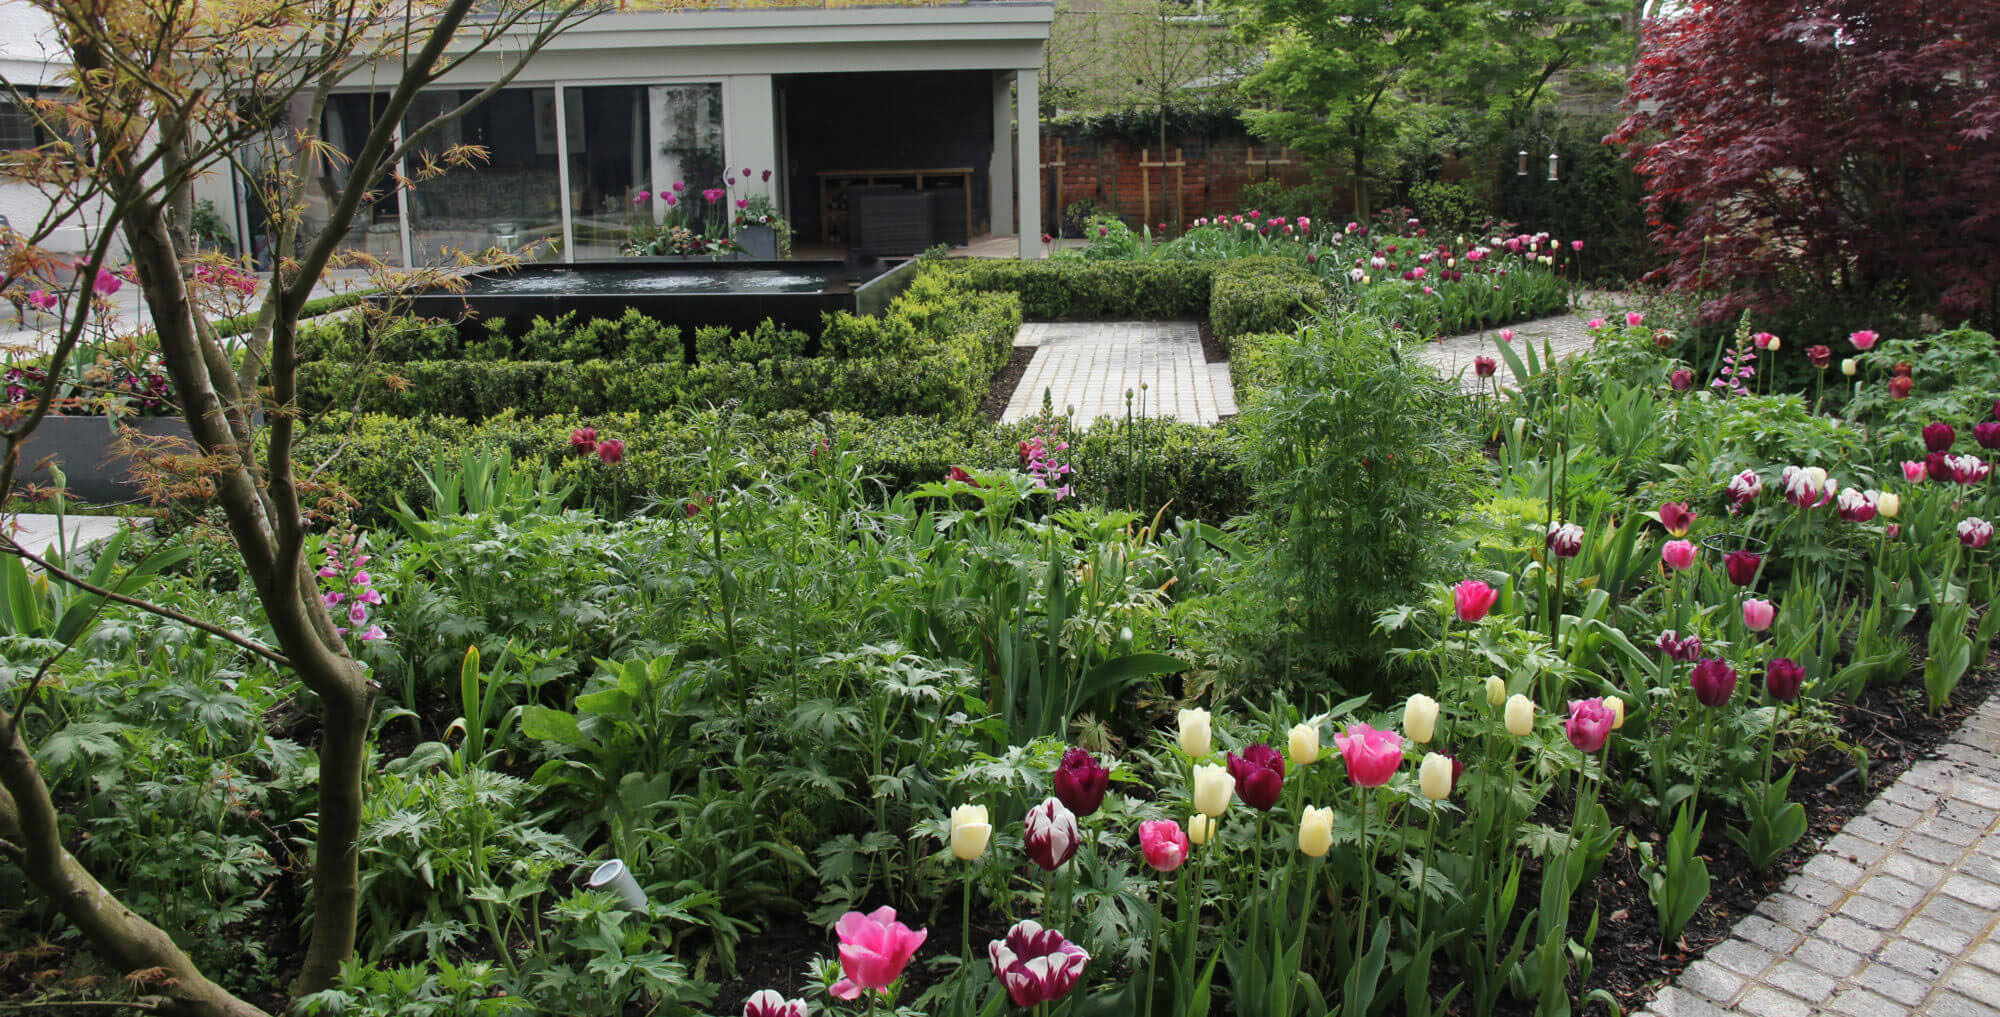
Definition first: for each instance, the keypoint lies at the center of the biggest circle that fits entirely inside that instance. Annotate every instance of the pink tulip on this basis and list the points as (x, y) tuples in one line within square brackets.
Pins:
[(1472, 599), (1634, 319), (1856, 505), (1594, 324), (1506, 335), (769, 1003), (42, 299), (1975, 532), (106, 283), (1589, 724), (1745, 487), (1762, 340), (1758, 614), (1576, 245), (639, 199), (1371, 755), (1916, 471), (1863, 339), (874, 949), (1677, 517), (1681, 380), (1678, 554), (1036, 965), (1968, 469), (1052, 836), (1163, 843)]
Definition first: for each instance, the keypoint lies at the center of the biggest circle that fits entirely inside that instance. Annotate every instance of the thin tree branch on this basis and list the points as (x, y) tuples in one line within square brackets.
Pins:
[(10, 546)]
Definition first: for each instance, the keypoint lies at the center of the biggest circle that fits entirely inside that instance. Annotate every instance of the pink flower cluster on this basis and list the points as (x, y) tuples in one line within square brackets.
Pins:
[(1043, 462), (348, 591)]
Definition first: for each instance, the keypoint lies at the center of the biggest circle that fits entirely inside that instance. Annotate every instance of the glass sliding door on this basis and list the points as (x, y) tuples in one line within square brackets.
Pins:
[(687, 156), (376, 229), (610, 169), (510, 198)]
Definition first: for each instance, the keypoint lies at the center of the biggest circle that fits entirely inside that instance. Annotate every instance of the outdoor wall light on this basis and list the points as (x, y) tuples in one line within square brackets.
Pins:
[(615, 877)]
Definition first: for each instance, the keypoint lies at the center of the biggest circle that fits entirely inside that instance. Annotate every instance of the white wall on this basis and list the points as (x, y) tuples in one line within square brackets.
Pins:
[(29, 56)]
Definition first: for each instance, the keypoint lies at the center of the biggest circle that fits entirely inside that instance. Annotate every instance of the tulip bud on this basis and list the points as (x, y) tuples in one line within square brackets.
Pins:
[(1496, 691), (1420, 716), (1304, 744), (1199, 829), (1888, 504), (1197, 730), (1849, 367), (1434, 776), (1617, 707), (1212, 788), (970, 831), (1520, 716), (1316, 832), (1776, 344)]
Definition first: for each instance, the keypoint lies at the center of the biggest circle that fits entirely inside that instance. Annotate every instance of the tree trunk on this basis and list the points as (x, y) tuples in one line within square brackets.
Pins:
[(271, 546), (30, 825)]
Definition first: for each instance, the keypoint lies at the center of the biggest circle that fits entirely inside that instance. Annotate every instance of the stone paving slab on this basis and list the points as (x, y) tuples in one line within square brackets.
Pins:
[(1895, 917), (1089, 366), (1564, 336), (37, 531)]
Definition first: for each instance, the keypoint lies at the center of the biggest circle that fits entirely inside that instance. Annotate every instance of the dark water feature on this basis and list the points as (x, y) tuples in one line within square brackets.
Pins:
[(688, 295)]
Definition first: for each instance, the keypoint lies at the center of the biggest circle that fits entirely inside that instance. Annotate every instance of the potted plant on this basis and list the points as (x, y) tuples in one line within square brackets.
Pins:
[(763, 233), (676, 234)]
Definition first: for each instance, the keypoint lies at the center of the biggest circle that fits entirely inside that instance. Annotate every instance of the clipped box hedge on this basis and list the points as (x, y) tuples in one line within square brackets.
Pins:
[(1073, 288), (933, 353), (1263, 295)]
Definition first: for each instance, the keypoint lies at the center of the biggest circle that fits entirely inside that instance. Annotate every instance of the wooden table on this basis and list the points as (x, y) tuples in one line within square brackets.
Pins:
[(834, 184)]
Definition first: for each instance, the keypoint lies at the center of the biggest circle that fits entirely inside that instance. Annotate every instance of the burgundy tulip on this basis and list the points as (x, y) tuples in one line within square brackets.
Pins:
[(584, 440), (1081, 782), (1259, 774), (1485, 366), (1783, 678), (1987, 434), (1742, 566), (611, 450), (1714, 681), (1938, 465), (1681, 380), (1900, 386), (1939, 436), (1821, 356)]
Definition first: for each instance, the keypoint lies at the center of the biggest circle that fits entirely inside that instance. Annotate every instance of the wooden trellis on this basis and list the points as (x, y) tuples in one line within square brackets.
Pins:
[(1146, 167)]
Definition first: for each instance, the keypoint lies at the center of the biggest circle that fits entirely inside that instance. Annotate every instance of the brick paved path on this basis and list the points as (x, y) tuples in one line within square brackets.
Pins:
[(1090, 365), (1894, 918)]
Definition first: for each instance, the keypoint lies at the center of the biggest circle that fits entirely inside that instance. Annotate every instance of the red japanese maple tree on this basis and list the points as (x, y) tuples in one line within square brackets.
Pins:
[(1795, 149)]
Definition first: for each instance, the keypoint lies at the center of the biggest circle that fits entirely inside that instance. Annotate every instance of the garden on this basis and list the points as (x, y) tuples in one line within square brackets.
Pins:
[(596, 666)]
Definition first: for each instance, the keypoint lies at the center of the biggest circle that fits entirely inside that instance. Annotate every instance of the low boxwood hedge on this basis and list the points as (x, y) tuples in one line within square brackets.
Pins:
[(1069, 288), (1262, 295)]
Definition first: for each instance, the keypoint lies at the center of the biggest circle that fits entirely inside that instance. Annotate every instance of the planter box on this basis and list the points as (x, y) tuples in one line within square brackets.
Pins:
[(677, 259), (759, 243), (82, 447)]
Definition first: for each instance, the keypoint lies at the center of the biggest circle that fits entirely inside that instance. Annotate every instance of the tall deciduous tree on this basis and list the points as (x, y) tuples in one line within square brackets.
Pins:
[(164, 92), (1795, 149)]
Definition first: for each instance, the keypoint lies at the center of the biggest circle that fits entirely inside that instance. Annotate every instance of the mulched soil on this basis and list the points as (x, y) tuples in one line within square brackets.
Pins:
[(1889, 721), (1004, 384), (1212, 349)]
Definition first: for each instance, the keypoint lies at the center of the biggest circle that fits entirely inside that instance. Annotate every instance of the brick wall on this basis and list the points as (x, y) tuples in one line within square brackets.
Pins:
[(1109, 171)]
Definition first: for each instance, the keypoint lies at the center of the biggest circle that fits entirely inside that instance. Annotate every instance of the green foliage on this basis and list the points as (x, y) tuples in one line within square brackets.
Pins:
[(1262, 295), (1954, 375), (1359, 475), (1450, 208), (1597, 198), (1072, 289)]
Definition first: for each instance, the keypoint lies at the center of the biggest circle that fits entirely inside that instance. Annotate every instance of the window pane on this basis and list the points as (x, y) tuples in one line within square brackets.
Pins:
[(17, 127), (374, 230), (610, 168), (511, 198), (687, 126)]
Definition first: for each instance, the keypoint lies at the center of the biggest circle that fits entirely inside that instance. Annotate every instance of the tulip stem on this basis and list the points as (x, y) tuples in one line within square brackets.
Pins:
[(1367, 881), (965, 932)]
